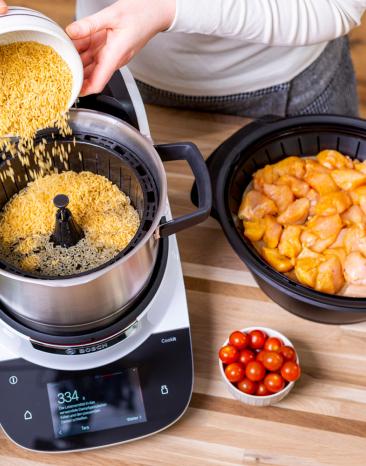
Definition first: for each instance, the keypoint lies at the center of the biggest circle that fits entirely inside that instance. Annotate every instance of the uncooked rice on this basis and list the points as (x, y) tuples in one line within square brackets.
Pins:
[(35, 88), (103, 212)]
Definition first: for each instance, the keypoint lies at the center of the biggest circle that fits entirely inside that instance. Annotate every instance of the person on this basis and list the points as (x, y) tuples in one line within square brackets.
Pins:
[(242, 57)]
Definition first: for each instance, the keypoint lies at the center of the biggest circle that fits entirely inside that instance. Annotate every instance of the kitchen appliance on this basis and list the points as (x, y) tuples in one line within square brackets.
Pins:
[(127, 376), (265, 142)]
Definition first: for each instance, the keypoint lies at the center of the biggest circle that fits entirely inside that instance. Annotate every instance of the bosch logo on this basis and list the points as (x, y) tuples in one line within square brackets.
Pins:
[(70, 351), (92, 349)]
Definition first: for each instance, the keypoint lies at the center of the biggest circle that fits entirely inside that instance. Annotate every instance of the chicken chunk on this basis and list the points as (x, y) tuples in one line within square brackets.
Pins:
[(272, 232), (334, 203), (294, 166), (256, 205), (298, 187), (262, 176), (330, 278), (354, 215), (254, 230), (348, 179), (339, 242), (322, 183), (334, 159), (352, 238), (281, 195), (313, 197), (306, 270), (355, 269), (357, 194), (339, 252), (311, 241), (296, 213), (360, 166), (325, 226), (290, 244), (276, 260)]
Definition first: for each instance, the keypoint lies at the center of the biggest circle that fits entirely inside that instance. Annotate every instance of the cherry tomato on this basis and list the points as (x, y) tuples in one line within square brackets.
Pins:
[(262, 390), (273, 344), (288, 353), (247, 386), (246, 356), (291, 371), (234, 372), (257, 339), (272, 361), (274, 382), (228, 354), (239, 339), (260, 355), (255, 371)]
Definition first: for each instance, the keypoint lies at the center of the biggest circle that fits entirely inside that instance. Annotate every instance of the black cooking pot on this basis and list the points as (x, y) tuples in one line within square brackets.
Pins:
[(265, 142)]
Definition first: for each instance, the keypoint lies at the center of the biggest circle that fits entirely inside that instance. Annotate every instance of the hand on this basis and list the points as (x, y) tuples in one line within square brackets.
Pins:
[(3, 7), (111, 38)]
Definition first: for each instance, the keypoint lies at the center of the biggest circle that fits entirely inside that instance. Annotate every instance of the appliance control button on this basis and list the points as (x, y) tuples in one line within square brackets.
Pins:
[(28, 416), (164, 390), (13, 380)]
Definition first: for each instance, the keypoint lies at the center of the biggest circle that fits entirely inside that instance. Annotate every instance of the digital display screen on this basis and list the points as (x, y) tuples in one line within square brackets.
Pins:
[(95, 403)]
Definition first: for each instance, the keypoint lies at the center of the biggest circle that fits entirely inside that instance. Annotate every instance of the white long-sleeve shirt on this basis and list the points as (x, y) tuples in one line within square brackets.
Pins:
[(223, 47)]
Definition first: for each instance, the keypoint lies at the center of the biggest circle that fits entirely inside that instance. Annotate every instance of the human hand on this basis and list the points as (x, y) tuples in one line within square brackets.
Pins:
[(3, 7), (110, 38)]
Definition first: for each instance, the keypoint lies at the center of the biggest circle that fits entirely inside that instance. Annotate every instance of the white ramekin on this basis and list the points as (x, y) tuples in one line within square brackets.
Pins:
[(24, 24), (254, 400)]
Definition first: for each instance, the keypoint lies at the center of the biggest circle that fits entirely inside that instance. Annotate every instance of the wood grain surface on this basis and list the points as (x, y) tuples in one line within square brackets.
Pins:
[(322, 422)]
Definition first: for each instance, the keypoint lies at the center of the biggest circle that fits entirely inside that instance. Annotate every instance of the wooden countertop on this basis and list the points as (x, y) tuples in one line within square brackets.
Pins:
[(322, 422)]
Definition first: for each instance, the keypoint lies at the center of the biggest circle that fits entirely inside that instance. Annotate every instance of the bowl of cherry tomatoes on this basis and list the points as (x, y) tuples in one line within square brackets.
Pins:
[(259, 365)]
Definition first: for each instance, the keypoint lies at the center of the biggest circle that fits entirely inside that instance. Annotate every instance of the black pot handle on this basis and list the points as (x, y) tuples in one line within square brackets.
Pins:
[(190, 153)]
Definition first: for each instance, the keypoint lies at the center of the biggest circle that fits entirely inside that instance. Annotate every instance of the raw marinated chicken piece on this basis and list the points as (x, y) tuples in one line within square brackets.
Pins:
[(334, 203), (362, 246), (311, 241), (308, 253), (325, 226), (308, 238), (322, 182), (357, 194), (298, 187), (306, 270), (296, 213), (281, 195), (276, 260), (360, 166), (262, 176), (294, 166), (272, 232), (312, 166), (339, 242), (321, 232), (254, 230), (348, 179), (352, 238), (330, 278), (290, 244), (354, 215), (339, 252), (355, 269), (334, 159), (313, 197), (256, 205)]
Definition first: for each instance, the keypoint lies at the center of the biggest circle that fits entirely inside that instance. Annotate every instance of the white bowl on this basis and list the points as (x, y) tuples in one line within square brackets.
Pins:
[(254, 400), (24, 24)]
